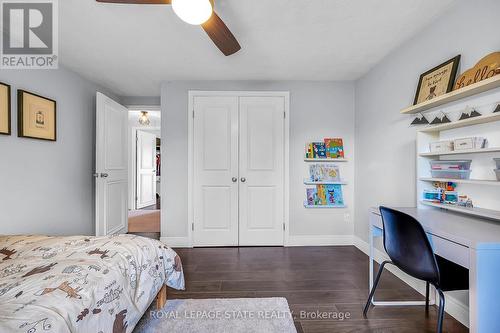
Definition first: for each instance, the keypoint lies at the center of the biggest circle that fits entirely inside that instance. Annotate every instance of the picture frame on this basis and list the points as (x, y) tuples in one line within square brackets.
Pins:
[(37, 116), (5, 109), (437, 81)]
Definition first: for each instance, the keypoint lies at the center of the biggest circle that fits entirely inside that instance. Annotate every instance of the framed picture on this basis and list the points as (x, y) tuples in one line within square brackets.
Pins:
[(437, 81), (36, 116), (4, 109)]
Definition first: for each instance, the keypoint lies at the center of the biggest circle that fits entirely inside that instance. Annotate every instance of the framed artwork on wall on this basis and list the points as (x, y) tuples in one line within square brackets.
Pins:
[(437, 81), (36, 116), (5, 109)]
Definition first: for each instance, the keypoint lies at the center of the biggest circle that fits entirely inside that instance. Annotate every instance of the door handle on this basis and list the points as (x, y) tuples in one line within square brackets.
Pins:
[(234, 179), (104, 175), (243, 179)]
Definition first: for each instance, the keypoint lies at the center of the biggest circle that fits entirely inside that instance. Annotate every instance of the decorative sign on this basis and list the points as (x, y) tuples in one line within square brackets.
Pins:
[(437, 81), (487, 67)]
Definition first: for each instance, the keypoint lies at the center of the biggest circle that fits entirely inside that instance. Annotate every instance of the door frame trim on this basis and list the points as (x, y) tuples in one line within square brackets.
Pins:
[(286, 151)]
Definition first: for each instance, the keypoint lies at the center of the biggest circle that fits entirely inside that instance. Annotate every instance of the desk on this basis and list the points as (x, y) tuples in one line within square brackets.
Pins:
[(470, 242)]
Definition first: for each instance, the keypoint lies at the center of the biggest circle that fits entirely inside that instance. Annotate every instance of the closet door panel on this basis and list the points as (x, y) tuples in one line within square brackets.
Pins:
[(261, 142), (215, 196)]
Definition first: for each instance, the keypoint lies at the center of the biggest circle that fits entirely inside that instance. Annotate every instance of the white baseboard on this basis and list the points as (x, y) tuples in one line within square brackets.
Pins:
[(319, 240), (453, 307), (176, 241)]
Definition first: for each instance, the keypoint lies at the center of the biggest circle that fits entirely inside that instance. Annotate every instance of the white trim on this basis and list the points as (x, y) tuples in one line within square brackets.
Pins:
[(144, 107), (453, 307), (176, 241), (320, 240), (286, 184)]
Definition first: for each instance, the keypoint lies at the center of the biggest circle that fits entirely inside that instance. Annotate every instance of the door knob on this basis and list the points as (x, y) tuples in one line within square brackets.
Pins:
[(104, 175), (243, 179), (234, 179)]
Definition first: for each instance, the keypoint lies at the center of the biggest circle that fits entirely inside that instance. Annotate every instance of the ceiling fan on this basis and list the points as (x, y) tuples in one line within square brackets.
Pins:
[(197, 12)]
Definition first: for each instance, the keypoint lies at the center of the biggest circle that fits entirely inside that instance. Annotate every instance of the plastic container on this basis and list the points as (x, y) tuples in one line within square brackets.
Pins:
[(450, 197), (451, 174), (497, 161), (450, 164), (433, 195), (498, 174)]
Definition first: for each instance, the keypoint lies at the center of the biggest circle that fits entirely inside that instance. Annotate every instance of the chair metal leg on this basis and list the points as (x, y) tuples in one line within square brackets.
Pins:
[(375, 283), (441, 311), (427, 287)]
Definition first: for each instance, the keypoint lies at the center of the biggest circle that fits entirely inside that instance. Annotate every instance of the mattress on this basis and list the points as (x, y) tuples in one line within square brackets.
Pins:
[(81, 284)]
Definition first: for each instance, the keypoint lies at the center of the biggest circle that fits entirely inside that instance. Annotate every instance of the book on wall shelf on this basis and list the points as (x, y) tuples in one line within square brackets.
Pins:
[(330, 149), (325, 196)]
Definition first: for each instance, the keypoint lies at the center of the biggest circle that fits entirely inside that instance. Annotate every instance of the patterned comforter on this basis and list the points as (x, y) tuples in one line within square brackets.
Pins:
[(81, 284)]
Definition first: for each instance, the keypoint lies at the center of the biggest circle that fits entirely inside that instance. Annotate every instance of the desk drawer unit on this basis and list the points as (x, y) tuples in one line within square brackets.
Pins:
[(450, 250)]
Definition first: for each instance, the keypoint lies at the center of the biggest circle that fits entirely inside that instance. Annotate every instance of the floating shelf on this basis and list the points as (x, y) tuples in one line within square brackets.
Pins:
[(308, 182), (325, 160), (463, 181), (480, 212), (487, 118), (324, 206), (473, 89), (460, 152)]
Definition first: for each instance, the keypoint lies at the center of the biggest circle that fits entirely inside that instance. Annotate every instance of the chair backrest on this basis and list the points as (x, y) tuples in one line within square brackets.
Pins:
[(406, 243)]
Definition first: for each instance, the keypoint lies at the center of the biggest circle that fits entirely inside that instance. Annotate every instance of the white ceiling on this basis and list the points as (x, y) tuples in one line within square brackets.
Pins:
[(131, 49)]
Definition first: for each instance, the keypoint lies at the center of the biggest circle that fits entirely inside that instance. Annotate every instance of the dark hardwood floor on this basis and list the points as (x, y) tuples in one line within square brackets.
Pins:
[(325, 279)]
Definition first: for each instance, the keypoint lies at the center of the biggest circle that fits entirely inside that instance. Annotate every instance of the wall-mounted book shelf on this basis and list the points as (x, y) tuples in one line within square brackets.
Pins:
[(480, 212), (461, 152), (331, 160), (309, 182), (463, 181), (471, 90), (324, 206)]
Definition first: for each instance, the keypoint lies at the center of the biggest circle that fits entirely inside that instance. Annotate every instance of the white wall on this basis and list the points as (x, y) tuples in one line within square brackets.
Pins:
[(317, 110), (47, 187), (385, 144)]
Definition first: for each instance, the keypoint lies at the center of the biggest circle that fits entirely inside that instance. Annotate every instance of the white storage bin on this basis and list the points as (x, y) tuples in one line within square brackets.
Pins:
[(441, 146), (469, 143), (451, 174)]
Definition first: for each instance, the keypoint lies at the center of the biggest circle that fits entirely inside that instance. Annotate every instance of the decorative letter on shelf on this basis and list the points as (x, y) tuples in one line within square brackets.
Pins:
[(487, 67)]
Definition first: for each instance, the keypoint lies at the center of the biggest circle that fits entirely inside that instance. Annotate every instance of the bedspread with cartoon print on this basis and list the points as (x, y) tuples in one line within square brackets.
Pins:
[(81, 284)]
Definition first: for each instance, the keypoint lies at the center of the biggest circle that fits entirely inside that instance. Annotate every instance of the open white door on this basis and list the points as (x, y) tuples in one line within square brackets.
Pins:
[(146, 169), (111, 172)]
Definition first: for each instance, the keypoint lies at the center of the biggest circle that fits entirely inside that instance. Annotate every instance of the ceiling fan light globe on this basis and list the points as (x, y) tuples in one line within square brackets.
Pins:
[(194, 12)]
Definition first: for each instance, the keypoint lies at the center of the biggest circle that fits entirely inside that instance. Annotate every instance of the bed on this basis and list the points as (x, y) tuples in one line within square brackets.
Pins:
[(82, 284)]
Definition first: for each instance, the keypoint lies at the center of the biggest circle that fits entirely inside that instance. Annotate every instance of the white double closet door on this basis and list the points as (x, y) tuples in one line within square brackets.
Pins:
[(238, 197)]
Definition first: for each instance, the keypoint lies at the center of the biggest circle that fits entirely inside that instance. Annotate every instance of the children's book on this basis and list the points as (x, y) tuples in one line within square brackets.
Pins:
[(321, 192), (309, 150), (334, 195), (325, 173), (311, 193), (334, 148), (319, 150)]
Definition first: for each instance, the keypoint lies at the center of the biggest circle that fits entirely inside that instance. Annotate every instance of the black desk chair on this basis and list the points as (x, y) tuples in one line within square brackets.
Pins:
[(409, 249)]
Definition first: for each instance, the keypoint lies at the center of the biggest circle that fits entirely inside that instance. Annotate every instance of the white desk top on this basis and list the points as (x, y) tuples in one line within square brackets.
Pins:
[(469, 231)]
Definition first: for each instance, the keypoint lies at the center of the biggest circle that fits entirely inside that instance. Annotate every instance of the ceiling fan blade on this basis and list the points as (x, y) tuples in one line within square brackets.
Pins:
[(139, 2), (220, 34)]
